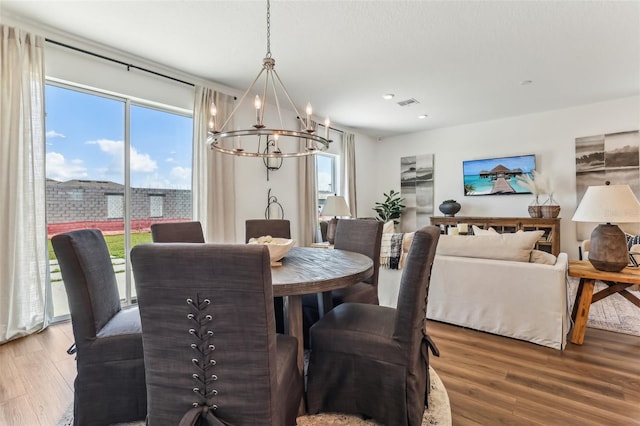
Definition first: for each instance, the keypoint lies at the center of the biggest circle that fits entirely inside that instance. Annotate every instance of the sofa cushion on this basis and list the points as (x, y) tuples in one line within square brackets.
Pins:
[(509, 246), (479, 231), (539, 256)]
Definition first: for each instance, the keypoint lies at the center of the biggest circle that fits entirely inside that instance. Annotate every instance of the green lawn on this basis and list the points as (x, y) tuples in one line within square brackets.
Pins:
[(116, 243)]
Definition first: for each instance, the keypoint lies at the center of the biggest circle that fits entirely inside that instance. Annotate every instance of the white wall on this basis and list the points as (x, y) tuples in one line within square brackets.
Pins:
[(549, 135)]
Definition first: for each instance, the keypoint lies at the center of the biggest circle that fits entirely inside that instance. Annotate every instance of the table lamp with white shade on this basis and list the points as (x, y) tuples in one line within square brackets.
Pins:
[(607, 205), (334, 205)]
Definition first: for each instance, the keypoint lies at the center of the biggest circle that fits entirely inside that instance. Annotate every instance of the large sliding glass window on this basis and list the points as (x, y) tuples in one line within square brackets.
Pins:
[(115, 165)]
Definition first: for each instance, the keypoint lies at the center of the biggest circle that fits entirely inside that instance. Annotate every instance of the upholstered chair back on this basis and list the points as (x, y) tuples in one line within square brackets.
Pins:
[(89, 280), (362, 236), (278, 228), (177, 232), (110, 383), (373, 360), (210, 345)]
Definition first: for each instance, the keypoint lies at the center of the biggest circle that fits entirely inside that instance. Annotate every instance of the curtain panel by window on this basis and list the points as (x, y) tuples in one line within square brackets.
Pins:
[(349, 167), (23, 249), (213, 172)]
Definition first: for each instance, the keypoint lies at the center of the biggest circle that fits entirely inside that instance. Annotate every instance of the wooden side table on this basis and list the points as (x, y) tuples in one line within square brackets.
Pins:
[(616, 282)]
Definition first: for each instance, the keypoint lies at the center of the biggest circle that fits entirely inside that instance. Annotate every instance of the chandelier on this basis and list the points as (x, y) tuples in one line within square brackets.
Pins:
[(267, 142)]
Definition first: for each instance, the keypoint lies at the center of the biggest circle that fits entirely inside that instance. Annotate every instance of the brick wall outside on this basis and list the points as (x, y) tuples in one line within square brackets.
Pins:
[(82, 201)]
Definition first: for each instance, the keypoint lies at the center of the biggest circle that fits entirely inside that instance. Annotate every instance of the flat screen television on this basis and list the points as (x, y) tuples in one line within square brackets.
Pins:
[(497, 176)]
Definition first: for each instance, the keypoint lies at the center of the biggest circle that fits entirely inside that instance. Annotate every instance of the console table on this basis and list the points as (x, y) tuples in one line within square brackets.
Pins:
[(549, 242)]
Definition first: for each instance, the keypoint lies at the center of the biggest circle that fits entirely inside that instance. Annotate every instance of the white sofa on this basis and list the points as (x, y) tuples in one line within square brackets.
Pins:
[(514, 298)]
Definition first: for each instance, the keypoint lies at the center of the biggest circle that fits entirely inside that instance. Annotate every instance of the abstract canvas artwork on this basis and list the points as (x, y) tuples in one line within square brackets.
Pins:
[(416, 187), (613, 157)]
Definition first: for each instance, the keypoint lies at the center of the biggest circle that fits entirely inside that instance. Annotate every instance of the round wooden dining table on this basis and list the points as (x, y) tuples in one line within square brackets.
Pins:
[(307, 270)]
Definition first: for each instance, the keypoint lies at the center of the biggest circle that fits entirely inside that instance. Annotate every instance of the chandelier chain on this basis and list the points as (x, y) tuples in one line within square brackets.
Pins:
[(268, 29)]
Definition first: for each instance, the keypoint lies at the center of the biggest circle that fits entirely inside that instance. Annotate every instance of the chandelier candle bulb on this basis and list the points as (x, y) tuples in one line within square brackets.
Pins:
[(309, 111), (276, 148), (258, 105), (212, 122), (327, 123)]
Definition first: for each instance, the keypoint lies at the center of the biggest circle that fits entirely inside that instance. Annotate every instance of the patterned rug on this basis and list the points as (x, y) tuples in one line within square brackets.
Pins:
[(613, 313), (439, 412)]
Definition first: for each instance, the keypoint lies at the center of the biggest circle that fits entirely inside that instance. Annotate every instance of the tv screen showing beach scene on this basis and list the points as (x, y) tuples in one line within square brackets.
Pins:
[(497, 176)]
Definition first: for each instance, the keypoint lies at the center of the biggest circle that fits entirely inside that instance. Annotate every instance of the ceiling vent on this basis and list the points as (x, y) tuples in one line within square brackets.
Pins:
[(408, 102)]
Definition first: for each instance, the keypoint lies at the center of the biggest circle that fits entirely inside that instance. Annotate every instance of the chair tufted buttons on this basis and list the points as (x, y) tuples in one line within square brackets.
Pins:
[(214, 377), (209, 332), (190, 316), (195, 405), (195, 376), (190, 301), (196, 390), (212, 347), (214, 406), (194, 346), (213, 362), (209, 317), (192, 331), (207, 301), (195, 362)]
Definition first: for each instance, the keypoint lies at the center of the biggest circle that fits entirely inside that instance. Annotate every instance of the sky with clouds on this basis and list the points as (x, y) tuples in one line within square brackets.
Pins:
[(85, 140)]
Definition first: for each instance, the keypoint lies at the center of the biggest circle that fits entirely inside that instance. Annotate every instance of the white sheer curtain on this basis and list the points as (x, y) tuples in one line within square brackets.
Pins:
[(213, 172), (307, 198), (349, 167), (23, 249)]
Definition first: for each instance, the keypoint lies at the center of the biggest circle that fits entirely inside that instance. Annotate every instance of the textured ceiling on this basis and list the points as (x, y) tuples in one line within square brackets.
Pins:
[(462, 61)]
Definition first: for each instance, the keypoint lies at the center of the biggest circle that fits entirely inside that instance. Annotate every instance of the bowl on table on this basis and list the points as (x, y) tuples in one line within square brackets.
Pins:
[(278, 247)]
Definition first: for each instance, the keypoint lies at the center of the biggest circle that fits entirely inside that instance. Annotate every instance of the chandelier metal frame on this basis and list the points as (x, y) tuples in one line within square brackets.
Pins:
[(267, 138)]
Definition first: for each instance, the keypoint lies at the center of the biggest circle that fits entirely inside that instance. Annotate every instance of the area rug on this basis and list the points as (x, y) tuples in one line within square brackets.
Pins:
[(613, 313), (438, 413)]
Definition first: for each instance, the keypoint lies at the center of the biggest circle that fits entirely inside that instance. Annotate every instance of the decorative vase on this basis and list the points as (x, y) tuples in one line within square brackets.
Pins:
[(449, 207)]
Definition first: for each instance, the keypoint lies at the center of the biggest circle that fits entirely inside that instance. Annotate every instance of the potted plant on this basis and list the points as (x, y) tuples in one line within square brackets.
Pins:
[(391, 208)]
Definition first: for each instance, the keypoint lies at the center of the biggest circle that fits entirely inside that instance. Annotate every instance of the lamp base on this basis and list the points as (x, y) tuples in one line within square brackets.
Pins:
[(331, 230), (608, 248)]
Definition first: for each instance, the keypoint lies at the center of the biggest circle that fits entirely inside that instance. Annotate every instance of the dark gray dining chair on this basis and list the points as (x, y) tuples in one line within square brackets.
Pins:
[(373, 360), (177, 232), (210, 347), (279, 228), (362, 236), (110, 381)]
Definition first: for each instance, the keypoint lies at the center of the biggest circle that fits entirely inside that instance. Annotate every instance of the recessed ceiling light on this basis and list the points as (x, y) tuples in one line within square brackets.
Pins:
[(388, 96), (526, 82), (422, 116)]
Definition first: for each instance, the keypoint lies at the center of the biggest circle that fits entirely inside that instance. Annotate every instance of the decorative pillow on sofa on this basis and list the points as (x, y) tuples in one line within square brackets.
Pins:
[(509, 246), (632, 242), (539, 256), (388, 227), (479, 231)]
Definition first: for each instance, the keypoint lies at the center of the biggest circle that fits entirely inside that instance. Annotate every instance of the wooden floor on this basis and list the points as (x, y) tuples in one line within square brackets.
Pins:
[(491, 380)]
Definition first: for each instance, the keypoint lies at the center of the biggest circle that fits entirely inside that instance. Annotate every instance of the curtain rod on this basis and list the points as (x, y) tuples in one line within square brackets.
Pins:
[(129, 66)]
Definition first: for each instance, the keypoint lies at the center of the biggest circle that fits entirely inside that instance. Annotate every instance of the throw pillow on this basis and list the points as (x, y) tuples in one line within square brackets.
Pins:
[(388, 227), (509, 246), (632, 240), (480, 231), (539, 256)]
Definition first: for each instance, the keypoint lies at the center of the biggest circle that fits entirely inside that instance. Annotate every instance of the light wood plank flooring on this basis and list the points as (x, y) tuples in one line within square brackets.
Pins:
[(491, 380)]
